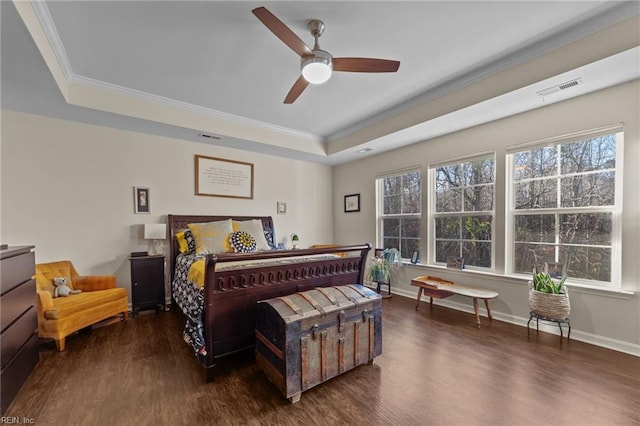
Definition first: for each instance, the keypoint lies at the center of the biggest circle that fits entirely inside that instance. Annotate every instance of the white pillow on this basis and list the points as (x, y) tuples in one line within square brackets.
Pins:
[(255, 229)]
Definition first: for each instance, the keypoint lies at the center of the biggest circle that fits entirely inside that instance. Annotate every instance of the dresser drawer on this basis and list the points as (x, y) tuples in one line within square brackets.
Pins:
[(15, 374), (16, 270), (15, 302), (14, 337)]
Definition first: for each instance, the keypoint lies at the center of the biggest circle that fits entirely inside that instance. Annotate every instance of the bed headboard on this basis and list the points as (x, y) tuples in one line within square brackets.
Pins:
[(177, 223)]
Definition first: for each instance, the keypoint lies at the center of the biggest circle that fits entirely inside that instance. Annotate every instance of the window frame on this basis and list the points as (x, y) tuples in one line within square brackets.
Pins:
[(380, 215), (615, 210), (434, 215)]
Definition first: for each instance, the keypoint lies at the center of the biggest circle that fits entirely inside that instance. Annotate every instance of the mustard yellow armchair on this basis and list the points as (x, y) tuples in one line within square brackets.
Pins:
[(61, 316)]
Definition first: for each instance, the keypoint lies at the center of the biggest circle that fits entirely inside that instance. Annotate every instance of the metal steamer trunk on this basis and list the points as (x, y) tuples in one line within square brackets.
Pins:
[(307, 338)]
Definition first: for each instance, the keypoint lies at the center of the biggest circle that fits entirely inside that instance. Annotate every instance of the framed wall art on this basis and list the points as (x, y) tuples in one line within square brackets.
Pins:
[(218, 177), (141, 200), (352, 203)]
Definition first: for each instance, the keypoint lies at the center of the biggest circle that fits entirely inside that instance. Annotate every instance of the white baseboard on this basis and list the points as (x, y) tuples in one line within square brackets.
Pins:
[(576, 334)]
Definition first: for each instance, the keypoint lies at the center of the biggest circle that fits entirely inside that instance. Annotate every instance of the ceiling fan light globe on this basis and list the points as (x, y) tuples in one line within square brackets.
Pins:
[(317, 69), (316, 72)]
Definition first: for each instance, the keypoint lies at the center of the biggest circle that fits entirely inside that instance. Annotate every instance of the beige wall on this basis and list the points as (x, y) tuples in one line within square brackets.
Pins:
[(605, 318), (67, 188)]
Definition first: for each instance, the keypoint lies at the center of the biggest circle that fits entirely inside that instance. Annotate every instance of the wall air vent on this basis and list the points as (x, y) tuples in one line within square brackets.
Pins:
[(560, 87), (208, 136)]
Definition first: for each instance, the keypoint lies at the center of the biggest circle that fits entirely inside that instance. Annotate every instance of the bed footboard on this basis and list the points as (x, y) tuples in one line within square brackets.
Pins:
[(231, 295)]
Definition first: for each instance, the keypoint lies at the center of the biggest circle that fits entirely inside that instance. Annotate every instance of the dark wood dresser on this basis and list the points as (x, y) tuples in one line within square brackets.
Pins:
[(19, 339)]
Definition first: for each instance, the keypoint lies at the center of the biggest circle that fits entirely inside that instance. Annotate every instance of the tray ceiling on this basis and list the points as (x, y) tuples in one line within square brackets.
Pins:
[(186, 68)]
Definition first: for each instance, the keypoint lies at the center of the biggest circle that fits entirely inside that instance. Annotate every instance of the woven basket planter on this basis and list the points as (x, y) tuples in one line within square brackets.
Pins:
[(549, 305)]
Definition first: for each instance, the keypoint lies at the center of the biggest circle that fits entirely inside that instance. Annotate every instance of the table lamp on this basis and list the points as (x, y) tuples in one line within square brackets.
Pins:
[(156, 232)]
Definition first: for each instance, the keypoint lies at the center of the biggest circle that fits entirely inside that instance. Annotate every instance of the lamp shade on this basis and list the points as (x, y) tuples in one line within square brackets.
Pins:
[(155, 231)]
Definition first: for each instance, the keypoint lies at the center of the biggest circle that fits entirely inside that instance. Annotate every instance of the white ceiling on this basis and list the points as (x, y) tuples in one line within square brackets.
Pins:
[(221, 71)]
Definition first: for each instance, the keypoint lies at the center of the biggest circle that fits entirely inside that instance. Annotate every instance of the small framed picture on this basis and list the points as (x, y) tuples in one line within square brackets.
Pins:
[(415, 257), (555, 270), (282, 207), (141, 200), (352, 203)]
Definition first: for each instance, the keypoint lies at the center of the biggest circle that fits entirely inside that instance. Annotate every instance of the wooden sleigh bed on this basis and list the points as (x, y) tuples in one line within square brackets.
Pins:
[(230, 295)]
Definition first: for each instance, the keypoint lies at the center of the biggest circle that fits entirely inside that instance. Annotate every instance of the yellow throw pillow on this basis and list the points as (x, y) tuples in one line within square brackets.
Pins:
[(212, 237), (182, 242), (186, 243)]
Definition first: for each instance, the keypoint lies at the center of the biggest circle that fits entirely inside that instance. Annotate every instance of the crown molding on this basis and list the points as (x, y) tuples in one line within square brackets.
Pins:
[(185, 106), (48, 27)]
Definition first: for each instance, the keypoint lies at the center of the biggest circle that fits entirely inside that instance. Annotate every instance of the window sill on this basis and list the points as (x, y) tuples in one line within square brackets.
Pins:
[(579, 288)]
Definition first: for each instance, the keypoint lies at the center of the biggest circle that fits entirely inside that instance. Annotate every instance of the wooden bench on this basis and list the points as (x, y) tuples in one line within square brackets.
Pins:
[(439, 288)]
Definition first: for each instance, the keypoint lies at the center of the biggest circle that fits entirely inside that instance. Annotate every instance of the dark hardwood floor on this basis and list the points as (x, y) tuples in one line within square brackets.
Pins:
[(436, 368)]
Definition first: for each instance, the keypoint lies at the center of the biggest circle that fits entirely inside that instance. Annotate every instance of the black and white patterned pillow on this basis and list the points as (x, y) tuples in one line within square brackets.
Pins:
[(185, 236), (191, 242), (242, 242)]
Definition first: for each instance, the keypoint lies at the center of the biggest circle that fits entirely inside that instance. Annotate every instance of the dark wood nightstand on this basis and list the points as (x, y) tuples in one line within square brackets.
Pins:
[(147, 283)]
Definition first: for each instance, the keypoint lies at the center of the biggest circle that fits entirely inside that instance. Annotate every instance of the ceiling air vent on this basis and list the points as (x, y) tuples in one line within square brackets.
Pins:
[(209, 136), (560, 87)]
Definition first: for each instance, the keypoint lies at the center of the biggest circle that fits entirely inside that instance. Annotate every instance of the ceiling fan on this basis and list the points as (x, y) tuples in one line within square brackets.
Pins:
[(317, 65)]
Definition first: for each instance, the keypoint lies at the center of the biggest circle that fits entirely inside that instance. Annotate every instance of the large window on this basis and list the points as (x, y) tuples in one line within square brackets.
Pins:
[(399, 212), (462, 209), (563, 207)]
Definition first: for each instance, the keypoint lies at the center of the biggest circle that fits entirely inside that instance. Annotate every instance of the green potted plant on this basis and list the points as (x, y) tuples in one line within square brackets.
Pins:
[(295, 241), (382, 265), (548, 298)]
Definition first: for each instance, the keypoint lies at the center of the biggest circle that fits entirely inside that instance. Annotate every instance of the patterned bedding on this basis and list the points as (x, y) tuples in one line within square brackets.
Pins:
[(188, 284), (190, 298)]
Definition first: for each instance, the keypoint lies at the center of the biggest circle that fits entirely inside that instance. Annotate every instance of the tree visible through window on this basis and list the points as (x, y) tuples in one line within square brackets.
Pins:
[(463, 211), (564, 198), (400, 203)]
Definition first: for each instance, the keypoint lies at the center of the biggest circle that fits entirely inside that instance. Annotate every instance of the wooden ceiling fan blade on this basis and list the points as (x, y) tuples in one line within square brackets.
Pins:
[(365, 65), (281, 31), (296, 90)]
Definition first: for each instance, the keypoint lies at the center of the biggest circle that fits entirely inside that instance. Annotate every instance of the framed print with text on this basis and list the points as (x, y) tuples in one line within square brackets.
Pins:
[(218, 177)]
